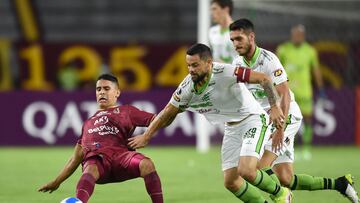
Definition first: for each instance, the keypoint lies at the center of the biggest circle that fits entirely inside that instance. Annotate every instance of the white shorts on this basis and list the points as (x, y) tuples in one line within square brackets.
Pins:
[(247, 138), (286, 153)]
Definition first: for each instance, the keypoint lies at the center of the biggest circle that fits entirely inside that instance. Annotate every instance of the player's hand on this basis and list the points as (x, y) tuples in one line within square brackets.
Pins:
[(277, 140), (277, 117), (50, 187), (137, 142)]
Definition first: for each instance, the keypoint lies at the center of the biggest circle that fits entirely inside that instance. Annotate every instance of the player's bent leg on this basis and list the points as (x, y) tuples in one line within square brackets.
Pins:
[(284, 172), (260, 179), (240, 188), (86, 184), (343, 184), (265, 164), (151, 179)]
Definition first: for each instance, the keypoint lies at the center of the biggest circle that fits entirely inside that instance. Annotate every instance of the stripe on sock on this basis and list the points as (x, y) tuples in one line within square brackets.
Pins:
[(277, 189), (261, 178), (293, 187), (243, 192), (325, 183)]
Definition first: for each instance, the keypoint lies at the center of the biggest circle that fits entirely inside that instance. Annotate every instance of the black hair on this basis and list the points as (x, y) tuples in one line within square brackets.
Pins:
[(109, 77), (201, 49), (225, 3), (242, 24)]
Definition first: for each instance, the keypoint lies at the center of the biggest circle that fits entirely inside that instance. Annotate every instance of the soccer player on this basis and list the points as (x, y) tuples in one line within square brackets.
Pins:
[(102, 148), (219, 40), (300, 60), (257, 59), (216, 91)]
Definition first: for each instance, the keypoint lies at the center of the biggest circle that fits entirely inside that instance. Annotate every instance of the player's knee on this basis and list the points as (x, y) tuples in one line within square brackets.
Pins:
[(146, 167), (285, 179), (247, 173), (230, 185)]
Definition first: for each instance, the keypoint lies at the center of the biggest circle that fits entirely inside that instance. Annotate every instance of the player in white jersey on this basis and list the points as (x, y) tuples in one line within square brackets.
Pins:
[(219, 38), (257, 59), (216, 91)]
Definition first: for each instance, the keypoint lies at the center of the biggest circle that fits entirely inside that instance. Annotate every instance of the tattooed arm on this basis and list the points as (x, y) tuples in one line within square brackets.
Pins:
[(163, 119)]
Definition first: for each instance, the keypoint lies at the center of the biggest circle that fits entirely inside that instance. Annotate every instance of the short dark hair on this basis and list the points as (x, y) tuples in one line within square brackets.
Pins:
[(201, 49), (109, 77), (242, 24), (225, 3)]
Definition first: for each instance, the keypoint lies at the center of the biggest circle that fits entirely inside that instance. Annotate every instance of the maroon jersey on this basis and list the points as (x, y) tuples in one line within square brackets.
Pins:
[(107, 131)]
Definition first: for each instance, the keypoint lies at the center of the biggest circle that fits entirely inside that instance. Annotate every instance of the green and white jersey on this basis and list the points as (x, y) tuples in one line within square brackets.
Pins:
[(221, 45), (266, 62), (221, 99)]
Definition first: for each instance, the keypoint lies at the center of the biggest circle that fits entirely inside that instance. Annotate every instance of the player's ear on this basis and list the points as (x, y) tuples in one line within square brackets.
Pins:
[(252, 36), (118, 93)]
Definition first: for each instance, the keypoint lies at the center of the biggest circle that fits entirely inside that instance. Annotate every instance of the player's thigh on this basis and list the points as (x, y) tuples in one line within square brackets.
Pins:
[(286, 153), (126, 166), (266, 159), (98, 167), (255, 133)]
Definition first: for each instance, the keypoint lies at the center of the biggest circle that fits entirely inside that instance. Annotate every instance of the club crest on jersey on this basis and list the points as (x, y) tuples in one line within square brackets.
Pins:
[(278, 72), (117, 111)]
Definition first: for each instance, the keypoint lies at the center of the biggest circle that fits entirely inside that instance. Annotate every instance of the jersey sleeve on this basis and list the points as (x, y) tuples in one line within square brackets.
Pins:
[(182, 95), (276, 71), (139, 117)]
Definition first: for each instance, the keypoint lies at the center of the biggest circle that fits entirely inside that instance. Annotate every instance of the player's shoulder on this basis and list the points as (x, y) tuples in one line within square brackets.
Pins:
[(214, 29), (238, 61), (267, 55), (219, 68)]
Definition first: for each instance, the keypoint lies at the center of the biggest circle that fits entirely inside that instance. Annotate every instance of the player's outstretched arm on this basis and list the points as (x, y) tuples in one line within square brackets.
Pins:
[(163, 119), (66, 172)]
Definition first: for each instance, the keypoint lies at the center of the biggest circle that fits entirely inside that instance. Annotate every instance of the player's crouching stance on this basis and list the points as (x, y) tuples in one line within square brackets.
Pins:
[(102, 148)]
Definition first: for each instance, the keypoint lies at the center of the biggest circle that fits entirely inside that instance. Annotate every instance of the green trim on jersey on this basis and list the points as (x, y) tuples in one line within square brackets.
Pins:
[(262, 134), (253, 59), (204, 86), (288, 121), (223, 31)]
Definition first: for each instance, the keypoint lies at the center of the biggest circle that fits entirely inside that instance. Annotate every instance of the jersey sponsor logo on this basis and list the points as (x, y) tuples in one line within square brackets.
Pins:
[(201, 105), (206, 97), (176, 98), (201, 111), (102, 120), (250, 133), (104, 130), (258, 93), (278, 72)]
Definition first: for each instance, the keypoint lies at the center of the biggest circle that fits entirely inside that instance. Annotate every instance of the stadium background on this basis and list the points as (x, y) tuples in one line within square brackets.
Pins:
[(144, 44)]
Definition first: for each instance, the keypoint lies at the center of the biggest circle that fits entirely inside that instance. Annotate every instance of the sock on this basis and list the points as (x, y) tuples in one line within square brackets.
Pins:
[(249, 194), (85, 187), (271, 173), (153, 187), (264, 182), (307, 182)]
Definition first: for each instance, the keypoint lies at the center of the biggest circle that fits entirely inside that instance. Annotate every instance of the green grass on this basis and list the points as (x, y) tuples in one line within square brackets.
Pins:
[(186, 176)]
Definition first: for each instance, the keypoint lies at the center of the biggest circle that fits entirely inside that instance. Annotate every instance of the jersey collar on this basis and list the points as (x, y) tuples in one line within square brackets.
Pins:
[(253, 59)]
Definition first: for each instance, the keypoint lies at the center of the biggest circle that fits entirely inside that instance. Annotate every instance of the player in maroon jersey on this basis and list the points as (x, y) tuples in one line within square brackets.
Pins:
[(102, 148)]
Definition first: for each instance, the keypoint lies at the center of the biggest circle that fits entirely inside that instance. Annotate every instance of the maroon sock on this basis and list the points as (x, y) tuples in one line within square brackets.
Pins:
[(153, 187), (85, 187)]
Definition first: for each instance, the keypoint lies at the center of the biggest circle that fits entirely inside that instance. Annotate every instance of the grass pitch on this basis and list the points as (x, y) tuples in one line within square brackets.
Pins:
[(187, 177)]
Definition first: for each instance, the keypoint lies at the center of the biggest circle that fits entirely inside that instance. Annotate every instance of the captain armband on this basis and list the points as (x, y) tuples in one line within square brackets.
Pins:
[(242, 74)]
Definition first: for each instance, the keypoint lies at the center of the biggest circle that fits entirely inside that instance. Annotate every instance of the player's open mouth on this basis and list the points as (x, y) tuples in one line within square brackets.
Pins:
[(102, 99)]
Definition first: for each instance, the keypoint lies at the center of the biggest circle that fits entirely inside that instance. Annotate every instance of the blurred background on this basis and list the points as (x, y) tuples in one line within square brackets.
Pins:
[(51, 52)]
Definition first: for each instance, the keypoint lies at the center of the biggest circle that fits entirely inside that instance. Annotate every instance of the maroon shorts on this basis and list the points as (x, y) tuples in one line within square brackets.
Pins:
[(120, 167)]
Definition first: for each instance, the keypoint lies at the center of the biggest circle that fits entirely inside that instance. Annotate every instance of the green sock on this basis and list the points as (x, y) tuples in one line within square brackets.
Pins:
[(307, 182), (265, 183), (249, 194), (271, 173)]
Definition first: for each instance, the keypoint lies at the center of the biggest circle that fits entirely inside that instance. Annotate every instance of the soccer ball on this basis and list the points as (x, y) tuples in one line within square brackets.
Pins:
[(71, 200)]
